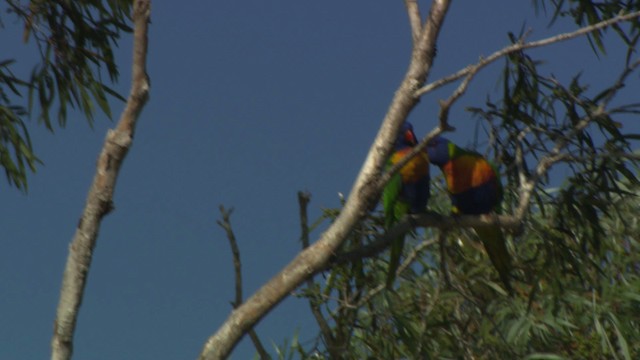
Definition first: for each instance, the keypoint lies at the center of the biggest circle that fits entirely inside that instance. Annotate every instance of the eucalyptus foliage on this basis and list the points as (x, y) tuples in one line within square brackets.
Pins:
[(576, 257), (75, 42)]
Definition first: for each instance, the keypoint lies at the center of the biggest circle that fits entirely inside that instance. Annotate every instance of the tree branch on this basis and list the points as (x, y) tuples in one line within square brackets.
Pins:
[(237, 267), (327, 334), (471, 70), (555, 155), (426, 220), (100, 198), (225, 224), (364, 193), (414, 18)]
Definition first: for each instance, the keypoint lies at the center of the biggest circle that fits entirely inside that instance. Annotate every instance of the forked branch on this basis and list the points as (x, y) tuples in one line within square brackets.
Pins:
[(364, 193), (225, 224)]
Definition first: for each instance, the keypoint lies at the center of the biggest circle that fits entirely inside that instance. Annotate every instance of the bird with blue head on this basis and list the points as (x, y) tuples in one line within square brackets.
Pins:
[(474, 188), (407, 192)]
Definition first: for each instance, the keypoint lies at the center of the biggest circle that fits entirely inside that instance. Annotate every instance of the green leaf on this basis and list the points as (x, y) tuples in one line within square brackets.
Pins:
[(542, 356)]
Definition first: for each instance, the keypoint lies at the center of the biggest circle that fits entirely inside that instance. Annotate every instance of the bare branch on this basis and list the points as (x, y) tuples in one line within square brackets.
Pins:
[(100, 198), (327, 334), (363, 195), (414, 18), (445, 105), (237, 266), (471, 70), (235, 251), (303, 202)]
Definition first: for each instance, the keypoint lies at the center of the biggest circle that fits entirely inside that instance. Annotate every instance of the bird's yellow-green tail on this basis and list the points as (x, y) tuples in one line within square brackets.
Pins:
[(400, 209), (494, 243)]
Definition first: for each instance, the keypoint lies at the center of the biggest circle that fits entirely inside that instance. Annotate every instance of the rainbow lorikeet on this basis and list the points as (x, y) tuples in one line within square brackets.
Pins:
[(407, 192), (474, 188)]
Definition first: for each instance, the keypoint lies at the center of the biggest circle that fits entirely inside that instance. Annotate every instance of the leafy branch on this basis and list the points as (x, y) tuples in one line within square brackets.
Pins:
[(100, 198), (362, 196), (321, 255)]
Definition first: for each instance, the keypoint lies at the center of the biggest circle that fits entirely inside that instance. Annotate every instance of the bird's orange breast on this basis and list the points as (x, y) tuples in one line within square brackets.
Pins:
[(414, 170), (467, 172)]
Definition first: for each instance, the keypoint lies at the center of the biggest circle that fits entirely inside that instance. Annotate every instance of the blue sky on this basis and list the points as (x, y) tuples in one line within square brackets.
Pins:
[(251, 101)]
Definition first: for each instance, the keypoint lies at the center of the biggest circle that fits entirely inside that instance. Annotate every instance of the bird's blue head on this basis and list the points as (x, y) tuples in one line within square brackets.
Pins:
[(438, 151), (406, 137)]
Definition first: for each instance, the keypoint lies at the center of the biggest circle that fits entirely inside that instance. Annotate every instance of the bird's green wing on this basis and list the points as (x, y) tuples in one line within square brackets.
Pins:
[(390, 197), (394, 209)]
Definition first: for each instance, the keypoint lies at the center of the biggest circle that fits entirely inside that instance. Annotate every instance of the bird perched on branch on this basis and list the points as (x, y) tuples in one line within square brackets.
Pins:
[(474, 188), (407, 192)]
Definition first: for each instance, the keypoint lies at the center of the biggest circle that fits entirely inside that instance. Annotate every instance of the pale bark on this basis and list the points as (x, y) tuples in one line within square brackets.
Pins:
[(371, 178), (362, 198), (100, 198)]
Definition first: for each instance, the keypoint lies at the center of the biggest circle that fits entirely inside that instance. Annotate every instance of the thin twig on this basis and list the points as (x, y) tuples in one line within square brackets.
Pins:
[(237, 267), (225, 224), (519, 157), (303, 202), (445, 105), (327, 334), (472, 69), (556, 155)]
